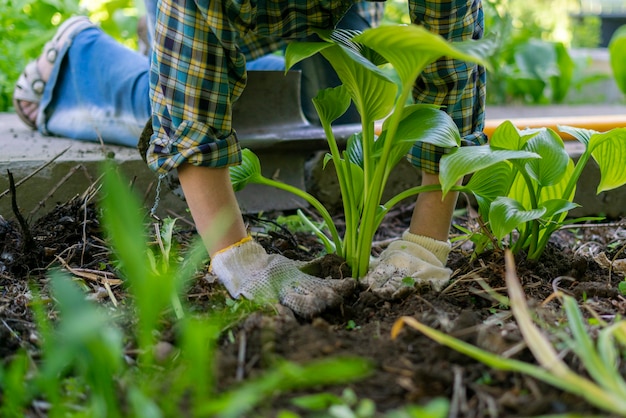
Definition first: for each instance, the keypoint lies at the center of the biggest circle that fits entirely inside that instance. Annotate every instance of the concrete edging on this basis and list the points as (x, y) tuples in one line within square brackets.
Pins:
[(24, 150)]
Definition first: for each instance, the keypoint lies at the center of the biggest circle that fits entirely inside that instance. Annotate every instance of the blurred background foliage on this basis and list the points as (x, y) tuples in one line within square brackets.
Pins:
[(531, 62), (26, 25)]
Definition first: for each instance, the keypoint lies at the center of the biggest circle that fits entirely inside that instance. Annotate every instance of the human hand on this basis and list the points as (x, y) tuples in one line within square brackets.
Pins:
[(247, 270), (419, 258)]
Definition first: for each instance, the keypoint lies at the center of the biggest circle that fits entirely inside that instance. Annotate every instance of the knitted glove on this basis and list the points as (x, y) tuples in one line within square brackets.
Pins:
[(246, 269), (417, 257)]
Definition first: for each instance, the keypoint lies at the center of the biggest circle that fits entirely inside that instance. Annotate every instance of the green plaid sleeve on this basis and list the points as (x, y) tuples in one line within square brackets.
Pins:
[(198, 70), (457, 86)]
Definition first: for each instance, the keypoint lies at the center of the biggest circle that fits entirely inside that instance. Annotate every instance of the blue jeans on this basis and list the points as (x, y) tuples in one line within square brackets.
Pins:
[(99, 89)]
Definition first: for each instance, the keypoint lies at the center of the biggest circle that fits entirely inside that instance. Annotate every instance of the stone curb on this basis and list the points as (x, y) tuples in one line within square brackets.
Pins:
[(77, 166)]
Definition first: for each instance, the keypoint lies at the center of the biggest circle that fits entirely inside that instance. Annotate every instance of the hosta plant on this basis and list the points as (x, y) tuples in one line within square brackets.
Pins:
[(524, 201), (362, 62)]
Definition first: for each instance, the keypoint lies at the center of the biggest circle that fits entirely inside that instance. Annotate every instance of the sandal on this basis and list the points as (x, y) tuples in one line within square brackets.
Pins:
[(30, 85)]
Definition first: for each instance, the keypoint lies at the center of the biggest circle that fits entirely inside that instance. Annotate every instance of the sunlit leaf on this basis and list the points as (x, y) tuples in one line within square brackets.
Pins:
[(519, 189), (490, 183), (331, 103), (420, 123), (410, 48), (550, 168), (373, 95), (507, 136), (609, 151), (465, 160), (506, 214), (428, 124), (581, 134), (345, 37), (298, 51)]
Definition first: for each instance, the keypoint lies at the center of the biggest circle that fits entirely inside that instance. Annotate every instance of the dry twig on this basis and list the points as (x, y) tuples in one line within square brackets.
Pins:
[(37, 170)]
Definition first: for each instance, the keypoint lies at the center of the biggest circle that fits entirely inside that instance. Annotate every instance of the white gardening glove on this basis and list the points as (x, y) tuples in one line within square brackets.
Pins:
[(247, 270), (417, 257)]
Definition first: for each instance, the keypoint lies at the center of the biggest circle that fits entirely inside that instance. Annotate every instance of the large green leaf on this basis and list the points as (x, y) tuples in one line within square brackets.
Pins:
[(466, 160), (420, 123), (331, 103), (507, 214), (429, 124), (550, 168), (373, 95), (582, 135), (489, 184), (519, 189), (557, 206), (249, 171), (524, 85), (539, 63), (345, 37), (507, 136), (537, 58), (298, 51), (410, 48), (609, 151), (617, 56)]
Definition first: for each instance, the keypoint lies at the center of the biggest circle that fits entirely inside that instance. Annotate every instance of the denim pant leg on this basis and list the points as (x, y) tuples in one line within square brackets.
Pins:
[(98, 90)]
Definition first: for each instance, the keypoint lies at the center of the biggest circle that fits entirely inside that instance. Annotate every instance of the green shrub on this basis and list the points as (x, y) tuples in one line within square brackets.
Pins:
[(25, 26)]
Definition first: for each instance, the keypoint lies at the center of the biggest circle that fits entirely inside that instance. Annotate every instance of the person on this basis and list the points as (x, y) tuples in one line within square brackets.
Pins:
[(198, 70), (87, 86)]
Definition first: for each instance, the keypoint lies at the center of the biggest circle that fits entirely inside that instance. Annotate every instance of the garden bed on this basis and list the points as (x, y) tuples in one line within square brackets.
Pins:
[(411, 369)]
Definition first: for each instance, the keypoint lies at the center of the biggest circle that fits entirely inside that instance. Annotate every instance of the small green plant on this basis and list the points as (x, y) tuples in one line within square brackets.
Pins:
[(527, 200), (84, 369), (604, 387), (365, 165)]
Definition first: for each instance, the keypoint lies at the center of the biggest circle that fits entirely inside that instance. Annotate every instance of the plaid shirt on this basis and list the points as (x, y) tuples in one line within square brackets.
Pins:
[(198, 69)]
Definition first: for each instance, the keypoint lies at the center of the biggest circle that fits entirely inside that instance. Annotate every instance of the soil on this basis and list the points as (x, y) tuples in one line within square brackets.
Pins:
[(411, 369)]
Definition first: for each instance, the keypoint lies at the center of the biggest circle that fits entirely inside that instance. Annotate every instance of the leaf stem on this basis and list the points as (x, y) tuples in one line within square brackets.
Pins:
[(311, 200)]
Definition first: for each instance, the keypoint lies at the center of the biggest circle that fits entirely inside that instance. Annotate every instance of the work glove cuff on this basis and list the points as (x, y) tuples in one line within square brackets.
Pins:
[(234, 264), (440, 249)]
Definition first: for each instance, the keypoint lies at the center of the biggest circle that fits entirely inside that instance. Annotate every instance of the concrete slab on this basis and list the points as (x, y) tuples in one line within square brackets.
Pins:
[(56, 169)]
